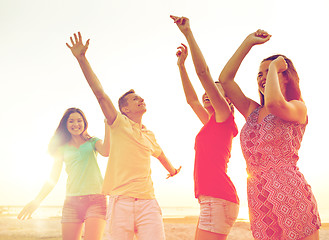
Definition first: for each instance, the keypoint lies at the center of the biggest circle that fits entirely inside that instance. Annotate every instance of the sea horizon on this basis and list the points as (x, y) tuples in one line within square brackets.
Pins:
[(55, 211)]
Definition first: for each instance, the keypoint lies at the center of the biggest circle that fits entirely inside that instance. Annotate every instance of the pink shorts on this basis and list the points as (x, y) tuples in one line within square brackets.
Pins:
[(79, 208), (129, 216), (217, 215)]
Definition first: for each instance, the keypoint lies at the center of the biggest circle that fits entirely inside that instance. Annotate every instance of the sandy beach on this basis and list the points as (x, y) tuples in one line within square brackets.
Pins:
[(175, 228)]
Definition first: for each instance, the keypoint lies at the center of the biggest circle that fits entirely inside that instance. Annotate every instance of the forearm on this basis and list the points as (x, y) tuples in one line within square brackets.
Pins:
[(45, 190), (91, 77), (189, 91), (167, 164), (95, 85), (272, 94), (199, 62), (230, 69), (204, 75)]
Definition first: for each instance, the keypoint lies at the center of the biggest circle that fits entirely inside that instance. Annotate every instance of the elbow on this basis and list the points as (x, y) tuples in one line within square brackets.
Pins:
[(203, 72), (193, 103), (225, 78), (106, 153), (275, 106)]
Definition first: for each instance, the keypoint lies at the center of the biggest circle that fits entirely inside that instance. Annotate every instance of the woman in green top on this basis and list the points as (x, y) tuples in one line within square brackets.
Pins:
[(84, 202)]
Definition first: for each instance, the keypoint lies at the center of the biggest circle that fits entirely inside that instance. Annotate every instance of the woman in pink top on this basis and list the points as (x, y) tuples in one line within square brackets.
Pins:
[(219, 203)]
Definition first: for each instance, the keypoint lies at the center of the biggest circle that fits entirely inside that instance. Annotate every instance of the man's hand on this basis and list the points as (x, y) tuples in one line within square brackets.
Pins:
[(77, 48)]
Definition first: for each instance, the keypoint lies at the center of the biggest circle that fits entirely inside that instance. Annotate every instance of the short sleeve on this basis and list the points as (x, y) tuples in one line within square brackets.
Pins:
[(156, 149), (93, 141), (119, 118)]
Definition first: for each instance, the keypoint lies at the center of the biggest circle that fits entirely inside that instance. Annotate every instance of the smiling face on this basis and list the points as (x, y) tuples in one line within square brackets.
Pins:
[(262, 75), (206, 101), (75, 124), (135, 104)]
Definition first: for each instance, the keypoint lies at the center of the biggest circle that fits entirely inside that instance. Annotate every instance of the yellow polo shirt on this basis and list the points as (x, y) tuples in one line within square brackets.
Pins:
[(128, 170)]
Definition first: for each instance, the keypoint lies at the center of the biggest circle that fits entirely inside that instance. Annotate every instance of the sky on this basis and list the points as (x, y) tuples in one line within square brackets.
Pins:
[(133, 46)]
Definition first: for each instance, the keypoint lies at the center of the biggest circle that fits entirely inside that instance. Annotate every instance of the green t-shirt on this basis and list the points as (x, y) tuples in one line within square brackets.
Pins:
[(84, 175)]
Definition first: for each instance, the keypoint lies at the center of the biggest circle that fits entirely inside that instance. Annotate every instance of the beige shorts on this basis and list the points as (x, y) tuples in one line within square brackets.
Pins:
[(217, 215), (129, 216)]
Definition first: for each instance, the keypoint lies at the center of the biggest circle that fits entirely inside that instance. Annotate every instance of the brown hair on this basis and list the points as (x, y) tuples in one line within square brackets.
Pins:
[(123, 100), (62, 135), (292, 85)]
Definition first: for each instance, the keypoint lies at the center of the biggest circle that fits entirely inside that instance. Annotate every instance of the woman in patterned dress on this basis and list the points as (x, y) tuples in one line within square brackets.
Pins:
[(281, 202)]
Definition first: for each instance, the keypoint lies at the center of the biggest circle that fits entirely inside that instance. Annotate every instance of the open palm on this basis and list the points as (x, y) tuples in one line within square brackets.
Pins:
[(78, 48)]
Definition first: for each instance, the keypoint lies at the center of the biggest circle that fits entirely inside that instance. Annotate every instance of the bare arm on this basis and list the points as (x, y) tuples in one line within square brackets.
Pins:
[(275, 101), (45, 190), (220, 105), (244, 104), (190, 94), (167, 165), (103, 147), (79, 51)]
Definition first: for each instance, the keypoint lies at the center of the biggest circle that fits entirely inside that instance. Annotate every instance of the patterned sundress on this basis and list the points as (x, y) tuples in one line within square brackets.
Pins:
[(281, 202)]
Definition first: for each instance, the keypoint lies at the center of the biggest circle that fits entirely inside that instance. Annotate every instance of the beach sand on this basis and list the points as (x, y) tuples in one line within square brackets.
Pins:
[(175, 228)]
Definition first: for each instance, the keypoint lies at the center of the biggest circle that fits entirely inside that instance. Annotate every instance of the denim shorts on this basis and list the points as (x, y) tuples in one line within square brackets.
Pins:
[(77, 209), (217, 215)]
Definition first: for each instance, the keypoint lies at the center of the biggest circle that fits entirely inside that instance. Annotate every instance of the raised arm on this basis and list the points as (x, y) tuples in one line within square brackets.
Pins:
[(220, 105), (226, 78), (79, 51), (45, 190), (275, 101), (190, 94), (103, 147)]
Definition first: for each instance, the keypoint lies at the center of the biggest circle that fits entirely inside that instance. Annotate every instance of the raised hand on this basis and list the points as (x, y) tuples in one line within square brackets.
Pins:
[(181, 54), (183, 24), (280, 64), (77, 48), (28, 210), (258, 37)]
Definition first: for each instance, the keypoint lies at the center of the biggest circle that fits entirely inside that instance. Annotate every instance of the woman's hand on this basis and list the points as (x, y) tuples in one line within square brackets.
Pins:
[(181, 54), (28, 210), (258, 37), (280, 64), (182, 23), (77, 48)]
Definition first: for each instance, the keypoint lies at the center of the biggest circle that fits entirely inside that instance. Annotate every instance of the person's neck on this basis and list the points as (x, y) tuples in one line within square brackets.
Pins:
[(137, 118), (77, 140)]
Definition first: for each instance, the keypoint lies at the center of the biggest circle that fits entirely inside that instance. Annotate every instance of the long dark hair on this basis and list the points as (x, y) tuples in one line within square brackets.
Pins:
[(62, 135), (292, 85)]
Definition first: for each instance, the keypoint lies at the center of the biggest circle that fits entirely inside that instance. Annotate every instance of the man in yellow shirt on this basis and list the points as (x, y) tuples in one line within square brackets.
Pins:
[(133, 209)]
